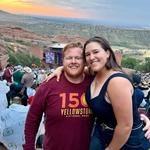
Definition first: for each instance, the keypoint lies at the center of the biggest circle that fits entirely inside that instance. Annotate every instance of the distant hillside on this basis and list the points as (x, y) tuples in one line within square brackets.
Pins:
[(19, 39), (130, 38)]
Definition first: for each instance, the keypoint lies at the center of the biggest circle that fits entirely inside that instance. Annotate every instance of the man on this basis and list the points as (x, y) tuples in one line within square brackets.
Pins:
[(68, 120)]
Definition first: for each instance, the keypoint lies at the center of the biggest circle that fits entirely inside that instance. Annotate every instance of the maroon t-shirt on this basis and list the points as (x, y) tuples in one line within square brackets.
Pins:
[(68, 119)]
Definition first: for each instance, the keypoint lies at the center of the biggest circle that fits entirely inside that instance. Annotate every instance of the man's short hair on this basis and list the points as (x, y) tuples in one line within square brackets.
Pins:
[(136, 79), (72, 45)]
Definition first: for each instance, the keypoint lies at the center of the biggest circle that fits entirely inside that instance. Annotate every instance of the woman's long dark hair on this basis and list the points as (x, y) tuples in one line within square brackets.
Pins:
[(111, 63)]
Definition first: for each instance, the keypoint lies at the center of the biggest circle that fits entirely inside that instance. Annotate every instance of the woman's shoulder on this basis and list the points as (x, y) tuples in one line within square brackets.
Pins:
[(118, 78)]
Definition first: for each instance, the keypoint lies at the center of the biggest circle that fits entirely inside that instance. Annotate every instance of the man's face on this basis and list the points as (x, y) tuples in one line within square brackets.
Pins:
[(73, 62)]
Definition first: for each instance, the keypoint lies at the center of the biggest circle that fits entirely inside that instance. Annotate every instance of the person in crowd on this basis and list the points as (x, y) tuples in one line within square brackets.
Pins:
[(148, 96), (28, 77), (112, 99), (7, 75), (68, 120), (138, 92), (41, 76), (27, 81), (147, 99), (12, 122), (31, 92), (18, 74), (4, 88), (144, 87), (14, 91)]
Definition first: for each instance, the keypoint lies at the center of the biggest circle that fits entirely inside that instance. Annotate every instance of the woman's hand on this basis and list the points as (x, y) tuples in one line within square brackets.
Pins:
[(147, 125), (57, 73)]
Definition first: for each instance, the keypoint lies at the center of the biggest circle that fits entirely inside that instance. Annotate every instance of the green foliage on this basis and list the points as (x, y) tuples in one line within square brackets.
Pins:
[(129, 62), (146, 65), (21, 58), (134, 63)]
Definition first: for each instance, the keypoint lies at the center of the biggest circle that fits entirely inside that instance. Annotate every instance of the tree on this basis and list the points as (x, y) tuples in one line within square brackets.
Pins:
[(22, 58), (129, 62), (146, 65)]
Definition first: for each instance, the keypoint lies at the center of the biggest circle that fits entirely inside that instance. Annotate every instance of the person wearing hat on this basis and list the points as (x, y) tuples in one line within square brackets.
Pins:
[(27, 81), (18, 74), (28, 78)]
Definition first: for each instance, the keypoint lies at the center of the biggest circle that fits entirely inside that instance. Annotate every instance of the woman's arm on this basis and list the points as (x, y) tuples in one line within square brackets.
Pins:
[(120, 95)]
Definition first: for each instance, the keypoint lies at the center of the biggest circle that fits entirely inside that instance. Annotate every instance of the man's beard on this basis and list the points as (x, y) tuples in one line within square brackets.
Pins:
[(75, 74)]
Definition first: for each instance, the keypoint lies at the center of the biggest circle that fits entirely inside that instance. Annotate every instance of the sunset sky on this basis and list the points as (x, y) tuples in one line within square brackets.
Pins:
[(127, 12)]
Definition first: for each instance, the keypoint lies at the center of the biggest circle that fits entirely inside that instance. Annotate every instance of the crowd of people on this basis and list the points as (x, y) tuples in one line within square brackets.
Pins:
[(142, 88), (18, 86), (87, 109)]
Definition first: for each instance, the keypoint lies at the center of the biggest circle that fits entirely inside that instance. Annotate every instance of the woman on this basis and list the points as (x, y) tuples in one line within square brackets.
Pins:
[(111, 97)]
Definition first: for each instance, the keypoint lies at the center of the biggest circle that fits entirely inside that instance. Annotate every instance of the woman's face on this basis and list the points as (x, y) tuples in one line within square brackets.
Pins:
[(96, 57)]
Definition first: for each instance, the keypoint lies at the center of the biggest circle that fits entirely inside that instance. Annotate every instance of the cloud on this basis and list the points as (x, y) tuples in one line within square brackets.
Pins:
[(92, 8), (100, 9), (24, 1), (108, 10), (32, 2)]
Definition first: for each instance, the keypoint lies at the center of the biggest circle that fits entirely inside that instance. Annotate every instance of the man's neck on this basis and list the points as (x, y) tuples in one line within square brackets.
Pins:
[(75, 79)]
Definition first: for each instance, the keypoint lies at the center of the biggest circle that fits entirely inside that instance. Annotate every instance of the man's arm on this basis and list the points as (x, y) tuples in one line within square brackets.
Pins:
[(33, 119)]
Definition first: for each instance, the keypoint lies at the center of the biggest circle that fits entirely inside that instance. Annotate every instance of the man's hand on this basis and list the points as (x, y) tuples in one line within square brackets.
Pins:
[(147, 125)]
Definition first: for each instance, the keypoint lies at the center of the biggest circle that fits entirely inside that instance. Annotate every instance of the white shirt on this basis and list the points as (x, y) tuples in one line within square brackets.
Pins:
[(3, 99), (12, 122)]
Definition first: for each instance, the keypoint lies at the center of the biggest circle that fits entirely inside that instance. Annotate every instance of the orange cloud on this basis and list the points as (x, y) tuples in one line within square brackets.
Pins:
[(28, 8)]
